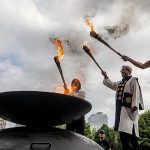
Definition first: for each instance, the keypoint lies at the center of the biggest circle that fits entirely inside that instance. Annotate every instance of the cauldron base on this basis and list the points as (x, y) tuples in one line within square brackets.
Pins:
[(23, 138)]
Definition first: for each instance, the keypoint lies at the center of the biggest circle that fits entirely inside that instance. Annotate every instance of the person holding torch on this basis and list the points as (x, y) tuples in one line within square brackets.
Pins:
[(128, 103), (136, 63)]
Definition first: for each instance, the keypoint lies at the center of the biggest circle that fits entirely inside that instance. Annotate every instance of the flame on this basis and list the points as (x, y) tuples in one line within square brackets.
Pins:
[(60, 89), (59, 47), (69, 91), (74, 87), (86, 43), (89, 23)]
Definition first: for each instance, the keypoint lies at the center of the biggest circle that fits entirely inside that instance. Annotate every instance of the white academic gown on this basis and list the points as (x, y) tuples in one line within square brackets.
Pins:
[(127, 118)]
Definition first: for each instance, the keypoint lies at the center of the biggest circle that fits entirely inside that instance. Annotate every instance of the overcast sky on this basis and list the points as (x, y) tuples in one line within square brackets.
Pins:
[(26, 54)]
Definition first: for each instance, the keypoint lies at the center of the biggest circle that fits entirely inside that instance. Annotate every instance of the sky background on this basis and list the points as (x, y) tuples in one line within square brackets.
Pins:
[(26, 53)]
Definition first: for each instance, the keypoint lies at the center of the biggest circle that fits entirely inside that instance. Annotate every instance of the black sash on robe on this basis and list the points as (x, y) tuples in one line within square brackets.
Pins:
[(119, 100)]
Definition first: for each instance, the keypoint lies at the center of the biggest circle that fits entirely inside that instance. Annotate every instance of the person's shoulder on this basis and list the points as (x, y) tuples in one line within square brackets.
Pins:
[(106, 141), (80, 94), (133, 79), (98, 142)]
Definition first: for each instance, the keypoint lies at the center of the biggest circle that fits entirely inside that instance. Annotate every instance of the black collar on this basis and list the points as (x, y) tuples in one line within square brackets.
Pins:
[(126, 78)]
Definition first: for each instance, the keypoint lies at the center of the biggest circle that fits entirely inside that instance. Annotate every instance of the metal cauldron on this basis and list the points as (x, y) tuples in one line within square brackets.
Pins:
[(37, 108), (40, 112)]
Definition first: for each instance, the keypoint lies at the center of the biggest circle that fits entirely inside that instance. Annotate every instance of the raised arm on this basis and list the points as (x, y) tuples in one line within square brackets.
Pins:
[(107, 82), (136, 63)]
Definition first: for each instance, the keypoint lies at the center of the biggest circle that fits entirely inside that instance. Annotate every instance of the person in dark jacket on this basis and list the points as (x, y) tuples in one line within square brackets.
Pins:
[(102, 140), (77, 125)]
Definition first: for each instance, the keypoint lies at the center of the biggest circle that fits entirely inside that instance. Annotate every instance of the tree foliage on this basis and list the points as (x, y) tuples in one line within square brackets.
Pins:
[(144, 130), (88, 133), (111, 135), (114, 139)]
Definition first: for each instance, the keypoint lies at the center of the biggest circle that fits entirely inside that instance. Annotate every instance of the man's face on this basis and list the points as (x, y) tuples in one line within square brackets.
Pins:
[(124, 72), (102, 136)]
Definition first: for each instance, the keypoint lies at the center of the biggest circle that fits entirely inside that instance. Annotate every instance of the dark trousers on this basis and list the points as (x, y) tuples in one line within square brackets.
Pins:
[(76, 126), (128, 141)]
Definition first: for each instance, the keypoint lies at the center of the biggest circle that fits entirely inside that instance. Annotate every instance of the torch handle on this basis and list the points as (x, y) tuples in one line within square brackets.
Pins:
[(96, 36), (96, 62), (60, 70), (115, 51), (62, 77), (87, 50)]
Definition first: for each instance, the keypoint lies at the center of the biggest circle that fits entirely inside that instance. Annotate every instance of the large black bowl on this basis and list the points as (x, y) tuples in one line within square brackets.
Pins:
[(35, 108)]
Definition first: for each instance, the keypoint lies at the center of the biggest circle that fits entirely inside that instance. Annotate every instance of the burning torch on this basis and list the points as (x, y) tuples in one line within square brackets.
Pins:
[(60, 54), (97, 36)]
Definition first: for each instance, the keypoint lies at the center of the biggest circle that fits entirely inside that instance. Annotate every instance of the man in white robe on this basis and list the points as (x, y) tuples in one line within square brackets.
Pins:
[(128, 102)]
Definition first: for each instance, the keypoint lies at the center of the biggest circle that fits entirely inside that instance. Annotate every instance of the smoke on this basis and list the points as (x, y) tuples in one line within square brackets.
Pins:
[(118, 31), (26, 52), (128, 18)]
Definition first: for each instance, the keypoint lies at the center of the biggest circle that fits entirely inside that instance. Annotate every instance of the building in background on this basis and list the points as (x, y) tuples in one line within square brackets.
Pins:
[(2, 123), (97, 120)]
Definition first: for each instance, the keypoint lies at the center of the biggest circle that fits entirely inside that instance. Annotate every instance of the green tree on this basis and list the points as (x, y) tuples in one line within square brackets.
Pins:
[(144, 130), (87, 131)]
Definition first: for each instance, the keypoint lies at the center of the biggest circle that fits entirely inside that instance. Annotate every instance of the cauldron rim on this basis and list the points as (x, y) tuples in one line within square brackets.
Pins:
[(15, 106)]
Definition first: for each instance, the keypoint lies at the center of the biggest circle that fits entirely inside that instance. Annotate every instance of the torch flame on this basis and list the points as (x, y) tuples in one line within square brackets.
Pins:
[(62, 90), (59, 89), (59, 47), (87, 44), (89, 23)]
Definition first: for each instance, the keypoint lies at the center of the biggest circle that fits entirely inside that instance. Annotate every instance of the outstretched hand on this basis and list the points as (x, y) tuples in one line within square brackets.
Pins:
[(133, 109), (125, 58), (104, 74)]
